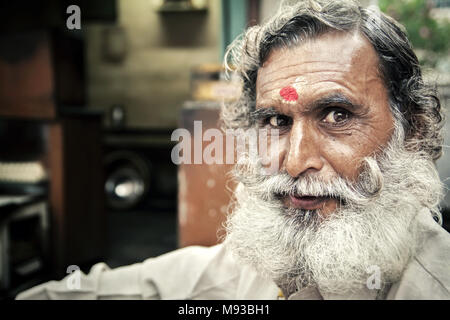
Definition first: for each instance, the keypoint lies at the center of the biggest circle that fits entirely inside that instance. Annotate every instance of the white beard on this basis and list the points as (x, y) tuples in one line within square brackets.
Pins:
[(375, 226)]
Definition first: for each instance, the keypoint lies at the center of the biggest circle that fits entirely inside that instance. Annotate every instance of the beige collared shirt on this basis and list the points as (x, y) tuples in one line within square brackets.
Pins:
[(212, 273)]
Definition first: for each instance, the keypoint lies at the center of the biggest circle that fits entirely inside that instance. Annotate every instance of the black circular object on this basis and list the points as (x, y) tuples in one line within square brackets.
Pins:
[(127, 179)]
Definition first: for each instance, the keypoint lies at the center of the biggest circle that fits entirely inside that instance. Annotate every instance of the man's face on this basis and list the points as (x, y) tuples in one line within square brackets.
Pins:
[(341, 143), (330, 106)]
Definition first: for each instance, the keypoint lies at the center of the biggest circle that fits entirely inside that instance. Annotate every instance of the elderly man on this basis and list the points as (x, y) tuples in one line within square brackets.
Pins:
[(352, 209)]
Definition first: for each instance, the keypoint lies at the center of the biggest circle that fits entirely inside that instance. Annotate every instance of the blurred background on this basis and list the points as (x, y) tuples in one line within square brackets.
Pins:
[(87, 109)]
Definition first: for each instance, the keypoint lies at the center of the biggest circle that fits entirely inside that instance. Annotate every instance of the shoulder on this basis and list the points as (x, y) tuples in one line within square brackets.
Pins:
[(174, 275), (209, 273), (191, 272), (427, 275)]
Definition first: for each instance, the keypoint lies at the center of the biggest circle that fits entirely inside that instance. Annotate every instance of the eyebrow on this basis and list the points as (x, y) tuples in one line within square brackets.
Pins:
[(336, 99), (262, 113)]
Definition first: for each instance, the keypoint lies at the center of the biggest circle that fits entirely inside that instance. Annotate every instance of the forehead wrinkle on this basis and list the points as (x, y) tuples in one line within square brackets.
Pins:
[(267, 70), (301, 52), (302, 76)]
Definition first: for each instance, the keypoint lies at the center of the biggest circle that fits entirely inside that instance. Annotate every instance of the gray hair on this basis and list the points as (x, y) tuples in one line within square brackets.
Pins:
[(415, 102)]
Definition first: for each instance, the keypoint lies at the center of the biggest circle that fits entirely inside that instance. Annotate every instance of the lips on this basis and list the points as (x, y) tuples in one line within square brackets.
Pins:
[(307, 202)]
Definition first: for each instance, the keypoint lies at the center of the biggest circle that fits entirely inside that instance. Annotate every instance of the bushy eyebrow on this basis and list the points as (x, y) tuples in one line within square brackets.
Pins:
[(336, 99), (262, 113)]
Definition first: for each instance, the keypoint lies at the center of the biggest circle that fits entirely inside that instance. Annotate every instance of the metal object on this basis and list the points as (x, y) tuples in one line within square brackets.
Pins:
[(127, 180)]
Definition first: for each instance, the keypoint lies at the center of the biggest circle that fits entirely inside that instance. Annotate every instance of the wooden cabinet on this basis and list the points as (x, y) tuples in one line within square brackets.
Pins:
[(41, 74), (76, 191)]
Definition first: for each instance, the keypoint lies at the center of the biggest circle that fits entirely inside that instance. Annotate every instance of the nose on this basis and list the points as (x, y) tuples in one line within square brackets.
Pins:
[(303, 156)]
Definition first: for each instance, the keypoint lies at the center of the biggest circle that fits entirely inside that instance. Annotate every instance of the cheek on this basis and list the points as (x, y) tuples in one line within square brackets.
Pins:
[(343, 158), (345, 153)]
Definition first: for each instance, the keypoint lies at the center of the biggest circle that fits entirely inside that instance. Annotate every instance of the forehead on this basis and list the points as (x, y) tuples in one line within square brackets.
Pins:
[(334, 62)]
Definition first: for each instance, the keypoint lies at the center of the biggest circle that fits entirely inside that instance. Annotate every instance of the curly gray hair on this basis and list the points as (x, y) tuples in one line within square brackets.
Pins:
[(414, 104)]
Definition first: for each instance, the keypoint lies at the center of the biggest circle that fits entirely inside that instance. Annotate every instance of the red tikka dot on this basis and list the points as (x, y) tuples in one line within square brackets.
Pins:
[(289, 93)]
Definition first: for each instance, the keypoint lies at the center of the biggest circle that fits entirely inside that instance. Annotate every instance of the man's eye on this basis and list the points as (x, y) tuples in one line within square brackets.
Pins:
[(336, 116), (279, 121)]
